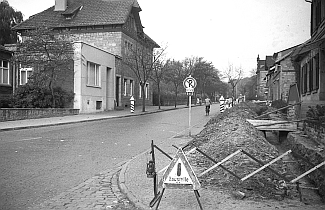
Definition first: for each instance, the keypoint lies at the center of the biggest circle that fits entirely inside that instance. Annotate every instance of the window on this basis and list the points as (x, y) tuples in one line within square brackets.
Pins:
[(311, 75), (25, 73), (125, 86), (317, 71), (93, 74), (147, 91), (131, 88), (4, 72), (98, 105), (128, 47), (125, 47)]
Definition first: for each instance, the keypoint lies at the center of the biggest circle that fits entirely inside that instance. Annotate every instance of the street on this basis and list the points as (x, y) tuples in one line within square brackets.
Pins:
[(37, 164)]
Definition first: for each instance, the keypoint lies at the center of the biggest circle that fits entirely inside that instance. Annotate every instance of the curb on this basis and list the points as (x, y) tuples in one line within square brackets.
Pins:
[(123, 187), (88, 120)]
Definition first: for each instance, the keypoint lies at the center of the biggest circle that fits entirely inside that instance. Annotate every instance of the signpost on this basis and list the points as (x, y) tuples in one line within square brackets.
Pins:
[(189, 84)]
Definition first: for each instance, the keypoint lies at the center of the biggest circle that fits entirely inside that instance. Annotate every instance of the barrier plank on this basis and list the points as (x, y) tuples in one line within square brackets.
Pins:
[(221, 162), (270, 125), (308, 172), (266, 165)]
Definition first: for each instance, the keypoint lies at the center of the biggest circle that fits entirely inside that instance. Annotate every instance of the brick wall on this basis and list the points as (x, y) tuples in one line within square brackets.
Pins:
[(65, 77), (108, 41)]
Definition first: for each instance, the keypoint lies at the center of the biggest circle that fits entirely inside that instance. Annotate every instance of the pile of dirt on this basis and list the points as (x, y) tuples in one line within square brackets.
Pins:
[(225, 134)]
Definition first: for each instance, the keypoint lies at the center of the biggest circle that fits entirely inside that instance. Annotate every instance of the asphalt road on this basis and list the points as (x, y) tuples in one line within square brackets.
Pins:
[(37, 164)]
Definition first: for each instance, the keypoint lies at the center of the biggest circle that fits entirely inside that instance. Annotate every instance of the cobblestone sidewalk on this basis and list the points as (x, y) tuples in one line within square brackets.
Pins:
[(99, 192)]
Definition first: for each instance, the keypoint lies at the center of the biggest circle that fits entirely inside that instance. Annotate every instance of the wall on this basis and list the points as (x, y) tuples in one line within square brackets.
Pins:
[(27, 113), (295, 142), (288, 77), (109, 41), (87, 96), (113, 42)]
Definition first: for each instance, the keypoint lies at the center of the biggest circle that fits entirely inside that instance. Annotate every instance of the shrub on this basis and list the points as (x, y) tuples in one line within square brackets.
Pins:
[(30, 96), (6, 102), (317, 112)]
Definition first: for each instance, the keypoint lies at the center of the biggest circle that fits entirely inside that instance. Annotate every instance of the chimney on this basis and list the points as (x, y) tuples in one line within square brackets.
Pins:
[(60, 5)]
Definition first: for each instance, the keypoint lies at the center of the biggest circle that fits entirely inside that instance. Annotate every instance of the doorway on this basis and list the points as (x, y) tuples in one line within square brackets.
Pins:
[(118, 91)]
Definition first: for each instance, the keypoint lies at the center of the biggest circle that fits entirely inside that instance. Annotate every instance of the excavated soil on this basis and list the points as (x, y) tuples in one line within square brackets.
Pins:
[(228, 132)]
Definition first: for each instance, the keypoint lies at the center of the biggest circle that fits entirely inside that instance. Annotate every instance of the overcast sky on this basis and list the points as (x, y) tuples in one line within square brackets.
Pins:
[(221, 31)]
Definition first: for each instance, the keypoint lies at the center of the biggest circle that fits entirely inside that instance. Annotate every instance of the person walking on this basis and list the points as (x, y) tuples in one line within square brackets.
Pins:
[(207, 105)]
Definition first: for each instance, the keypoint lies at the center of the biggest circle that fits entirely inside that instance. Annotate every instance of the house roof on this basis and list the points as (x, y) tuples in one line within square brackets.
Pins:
[(305, 47), (87, 13)]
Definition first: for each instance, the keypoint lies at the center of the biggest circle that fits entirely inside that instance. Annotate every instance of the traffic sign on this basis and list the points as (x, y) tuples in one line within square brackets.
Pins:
[(189, 82), (180, 174)]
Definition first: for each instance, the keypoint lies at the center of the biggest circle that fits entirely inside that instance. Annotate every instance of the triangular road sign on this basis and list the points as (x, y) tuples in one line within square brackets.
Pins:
[(180, 174)]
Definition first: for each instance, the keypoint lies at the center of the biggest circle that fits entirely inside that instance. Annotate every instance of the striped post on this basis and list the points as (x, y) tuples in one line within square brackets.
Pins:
[(132, 104), (222, 104)]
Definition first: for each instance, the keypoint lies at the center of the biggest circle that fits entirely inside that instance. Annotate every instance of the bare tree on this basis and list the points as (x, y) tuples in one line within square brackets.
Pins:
[(159, 69), (175, 73), (234, 75), (189, 64), (141, 60), (205, 74), (51, 52)]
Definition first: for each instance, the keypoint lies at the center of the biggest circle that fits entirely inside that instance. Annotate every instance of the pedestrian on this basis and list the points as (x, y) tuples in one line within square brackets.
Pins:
[(207, 105)]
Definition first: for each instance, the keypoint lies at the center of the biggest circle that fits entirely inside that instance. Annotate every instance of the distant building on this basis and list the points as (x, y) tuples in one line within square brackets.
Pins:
[(262, 69), (281, 75)]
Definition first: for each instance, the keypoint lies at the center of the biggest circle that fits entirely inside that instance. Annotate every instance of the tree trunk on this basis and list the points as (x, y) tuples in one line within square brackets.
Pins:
[(175, 97), (51, 87), (158, 86), (143, 97)]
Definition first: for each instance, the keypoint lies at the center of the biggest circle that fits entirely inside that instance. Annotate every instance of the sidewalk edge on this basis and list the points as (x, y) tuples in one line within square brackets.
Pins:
[(123, 187)]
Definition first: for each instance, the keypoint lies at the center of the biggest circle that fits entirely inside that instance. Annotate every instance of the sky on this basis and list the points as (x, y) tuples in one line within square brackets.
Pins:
[(224, 32)]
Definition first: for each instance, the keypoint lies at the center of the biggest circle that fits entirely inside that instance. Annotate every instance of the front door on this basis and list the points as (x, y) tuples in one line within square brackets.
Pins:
[(118, 87)]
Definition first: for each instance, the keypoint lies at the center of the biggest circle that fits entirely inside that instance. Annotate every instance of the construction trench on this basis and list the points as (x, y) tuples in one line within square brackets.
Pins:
[(235, 156)]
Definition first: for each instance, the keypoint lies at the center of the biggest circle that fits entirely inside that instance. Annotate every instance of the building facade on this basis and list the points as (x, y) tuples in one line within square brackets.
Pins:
[(281, 76), (309, 61), (262, 69), (109, 29)]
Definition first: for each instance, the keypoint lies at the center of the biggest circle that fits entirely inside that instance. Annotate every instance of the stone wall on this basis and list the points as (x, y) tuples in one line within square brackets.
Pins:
[(30, 113), (301, 145), (316, 131)]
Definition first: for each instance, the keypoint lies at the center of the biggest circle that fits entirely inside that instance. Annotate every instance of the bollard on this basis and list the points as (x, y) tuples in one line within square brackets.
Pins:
[(132, 104), (222, 104)]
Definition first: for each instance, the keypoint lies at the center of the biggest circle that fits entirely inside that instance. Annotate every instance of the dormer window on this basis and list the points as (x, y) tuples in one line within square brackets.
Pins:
[(72, 11)]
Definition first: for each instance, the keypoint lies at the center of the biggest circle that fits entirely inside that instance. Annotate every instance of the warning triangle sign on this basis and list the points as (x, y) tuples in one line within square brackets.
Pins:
[(180, 174)]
